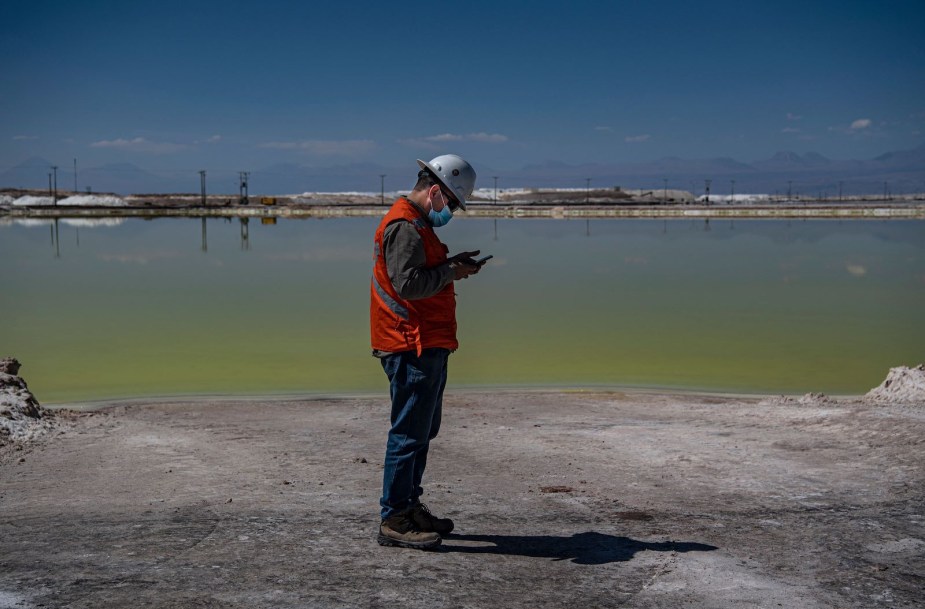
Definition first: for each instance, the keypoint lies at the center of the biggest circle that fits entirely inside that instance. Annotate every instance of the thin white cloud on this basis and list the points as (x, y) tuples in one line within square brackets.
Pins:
[(280, 145), (790, 130), (793, 117), (139, 144), (22, 138), (444, 137), (632, 139), (431, 141), (491, 138), (325, 147), (860, 127)]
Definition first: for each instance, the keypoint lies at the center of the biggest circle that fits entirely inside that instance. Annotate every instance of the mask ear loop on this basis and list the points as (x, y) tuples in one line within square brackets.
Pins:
[(447, 201), (443, 196)]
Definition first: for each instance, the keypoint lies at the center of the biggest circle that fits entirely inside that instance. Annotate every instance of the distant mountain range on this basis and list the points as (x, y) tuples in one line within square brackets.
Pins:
[(810, 174)]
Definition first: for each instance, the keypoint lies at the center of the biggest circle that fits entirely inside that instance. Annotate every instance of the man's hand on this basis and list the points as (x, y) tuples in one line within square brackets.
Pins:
[(463, 264), (467, 257)]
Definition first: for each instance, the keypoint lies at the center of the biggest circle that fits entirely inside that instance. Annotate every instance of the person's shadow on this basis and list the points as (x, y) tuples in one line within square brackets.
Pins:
[(581, 548)]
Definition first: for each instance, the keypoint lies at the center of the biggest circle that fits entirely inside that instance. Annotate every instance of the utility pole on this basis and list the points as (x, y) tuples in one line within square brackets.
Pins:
[(382, 188), (243, 197), (665, 196), (587, 191), (732, 197), (202, 187), (886, 192), (706, 190), (839, 191), (54, 168), (496, 189)]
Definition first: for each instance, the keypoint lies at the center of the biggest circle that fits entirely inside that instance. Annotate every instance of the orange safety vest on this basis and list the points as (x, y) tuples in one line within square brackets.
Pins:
[(397, 324)]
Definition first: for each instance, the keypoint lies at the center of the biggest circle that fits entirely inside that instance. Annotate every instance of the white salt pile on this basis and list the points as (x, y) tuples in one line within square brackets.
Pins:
[(73, 201), (22, 418), (93, 201), (906, 385), (32, 201)]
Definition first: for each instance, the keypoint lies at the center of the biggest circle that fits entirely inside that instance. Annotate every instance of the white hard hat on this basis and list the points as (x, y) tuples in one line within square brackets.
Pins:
[(454, 173)]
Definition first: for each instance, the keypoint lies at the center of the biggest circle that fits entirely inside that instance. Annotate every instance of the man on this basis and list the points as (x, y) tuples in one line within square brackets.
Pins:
[(413, 328)]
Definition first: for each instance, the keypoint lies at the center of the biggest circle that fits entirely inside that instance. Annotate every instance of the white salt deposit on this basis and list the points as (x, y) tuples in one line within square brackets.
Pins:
[(349, 193), (21, 416), (6, 200), (902, 384), (488, 194), (33, 201), (75, 201), (93, 201), (737, 198)]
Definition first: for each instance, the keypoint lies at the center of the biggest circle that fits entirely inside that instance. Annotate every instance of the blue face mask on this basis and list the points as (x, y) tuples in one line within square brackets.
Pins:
[(440, 218)]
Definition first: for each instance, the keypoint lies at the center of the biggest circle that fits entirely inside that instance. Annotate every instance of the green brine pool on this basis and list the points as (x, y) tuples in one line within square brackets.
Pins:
[(117, 308)]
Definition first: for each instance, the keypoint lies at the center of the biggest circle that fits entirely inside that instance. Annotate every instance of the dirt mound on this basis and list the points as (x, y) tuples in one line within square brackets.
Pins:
[(902, 384), (22, 418)]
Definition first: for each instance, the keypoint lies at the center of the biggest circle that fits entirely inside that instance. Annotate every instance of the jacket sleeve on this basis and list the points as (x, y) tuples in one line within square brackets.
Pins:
[(405, 258)]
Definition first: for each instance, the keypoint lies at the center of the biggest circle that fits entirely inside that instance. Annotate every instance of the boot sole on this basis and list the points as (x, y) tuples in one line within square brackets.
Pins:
[(384, 540)]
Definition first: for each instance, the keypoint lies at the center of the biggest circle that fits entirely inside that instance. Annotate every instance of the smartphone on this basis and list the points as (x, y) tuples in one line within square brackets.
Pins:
[(482, 261)]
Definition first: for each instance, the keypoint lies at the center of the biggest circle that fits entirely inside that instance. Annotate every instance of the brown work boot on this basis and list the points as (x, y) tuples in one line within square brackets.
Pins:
[(426, 521), (400, 530)]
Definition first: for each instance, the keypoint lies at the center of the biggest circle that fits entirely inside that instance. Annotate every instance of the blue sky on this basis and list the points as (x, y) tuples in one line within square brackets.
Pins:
[(242, 85)]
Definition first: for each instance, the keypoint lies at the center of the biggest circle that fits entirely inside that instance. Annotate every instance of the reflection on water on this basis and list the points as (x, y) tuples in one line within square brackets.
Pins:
[(125, 307)]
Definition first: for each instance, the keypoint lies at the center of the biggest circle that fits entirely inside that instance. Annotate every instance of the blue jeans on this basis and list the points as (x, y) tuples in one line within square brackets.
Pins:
[(416, 387)]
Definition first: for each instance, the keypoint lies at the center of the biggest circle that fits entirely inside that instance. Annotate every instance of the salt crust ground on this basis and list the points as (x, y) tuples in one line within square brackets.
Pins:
[(560, 499)]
